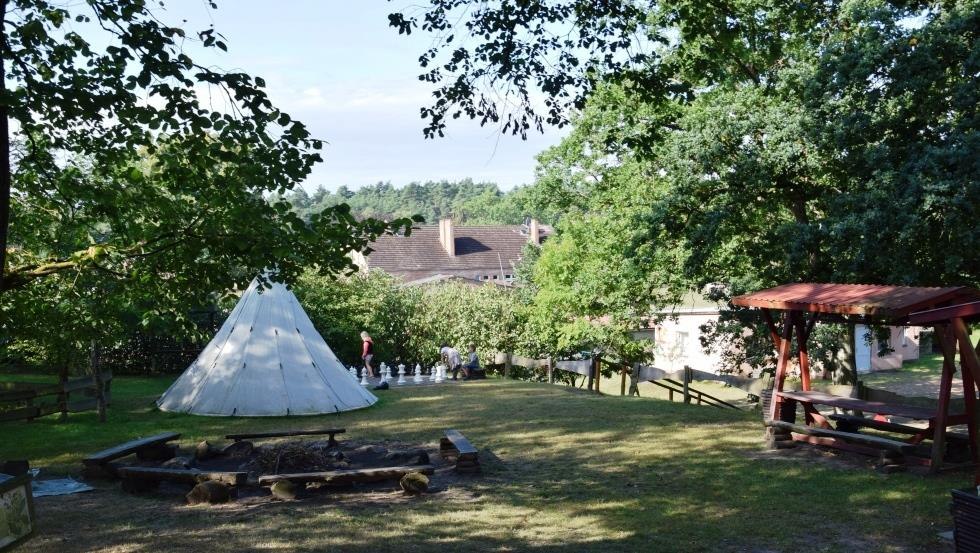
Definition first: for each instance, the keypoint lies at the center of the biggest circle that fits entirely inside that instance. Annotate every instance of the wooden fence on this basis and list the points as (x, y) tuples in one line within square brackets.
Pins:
[(25, 401)]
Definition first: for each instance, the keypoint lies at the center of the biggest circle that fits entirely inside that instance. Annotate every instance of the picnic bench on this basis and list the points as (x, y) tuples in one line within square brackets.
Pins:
[(802, 305), (346, 476), (455, 446), (153, 447), (330, 432)]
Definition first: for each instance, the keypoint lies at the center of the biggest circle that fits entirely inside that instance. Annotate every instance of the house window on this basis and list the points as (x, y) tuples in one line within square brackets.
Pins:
[(905, 336)]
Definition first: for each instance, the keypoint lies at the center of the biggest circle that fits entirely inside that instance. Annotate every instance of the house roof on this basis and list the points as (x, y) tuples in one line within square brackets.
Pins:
[(441, 278), (856, 299), (477, 247)]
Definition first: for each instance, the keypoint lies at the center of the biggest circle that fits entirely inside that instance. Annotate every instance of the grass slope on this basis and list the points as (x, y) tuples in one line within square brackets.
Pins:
[(575, 473)]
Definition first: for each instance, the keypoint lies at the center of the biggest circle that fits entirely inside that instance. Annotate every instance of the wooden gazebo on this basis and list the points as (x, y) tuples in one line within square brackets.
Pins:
[(800, 306)]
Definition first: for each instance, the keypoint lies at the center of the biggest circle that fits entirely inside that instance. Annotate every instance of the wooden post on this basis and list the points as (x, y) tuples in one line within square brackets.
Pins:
[(551, 370), (970, 365), (670, 394), (507, 365), (782, 366), (622, 382), (591, 377), (687, 382), (945, 337), (802, 334), (598, 375), (95, 364)]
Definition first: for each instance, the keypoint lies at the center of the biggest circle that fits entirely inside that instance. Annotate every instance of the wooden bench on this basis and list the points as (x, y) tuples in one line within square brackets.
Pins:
[(854, 404), (456, 446), (260, 435), (347, 476), (154, 447), (187, 476), (864, 439), (851, 423)]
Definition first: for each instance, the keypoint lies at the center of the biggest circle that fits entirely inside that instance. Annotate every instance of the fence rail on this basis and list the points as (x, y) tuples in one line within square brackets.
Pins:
[(26, 401)]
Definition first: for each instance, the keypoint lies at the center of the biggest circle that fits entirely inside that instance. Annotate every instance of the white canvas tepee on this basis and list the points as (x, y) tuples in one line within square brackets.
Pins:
[(266, 360)]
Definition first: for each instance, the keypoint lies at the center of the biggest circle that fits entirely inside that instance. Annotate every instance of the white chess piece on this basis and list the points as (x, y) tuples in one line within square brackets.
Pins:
[(381, 371), (364, 380), (401, 373), (418, 374), (440, 374), (432, 374), (353, 372)]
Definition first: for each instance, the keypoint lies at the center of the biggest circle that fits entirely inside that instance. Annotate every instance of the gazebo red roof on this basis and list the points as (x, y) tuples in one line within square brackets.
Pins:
[(857, 299)]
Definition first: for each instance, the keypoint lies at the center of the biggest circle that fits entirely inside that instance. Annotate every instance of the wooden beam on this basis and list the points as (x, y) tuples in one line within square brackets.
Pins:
[(970, 366), (350, 476), (782, 365), (773, 331), (802, 351), (944, 335)]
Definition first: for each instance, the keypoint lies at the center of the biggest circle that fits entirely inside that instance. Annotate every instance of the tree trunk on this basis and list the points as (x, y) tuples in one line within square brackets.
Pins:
[(96, 367), (846, 360), (5, 176)]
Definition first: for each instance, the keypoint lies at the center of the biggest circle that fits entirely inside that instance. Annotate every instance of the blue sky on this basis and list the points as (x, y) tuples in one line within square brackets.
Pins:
[(339, 68)]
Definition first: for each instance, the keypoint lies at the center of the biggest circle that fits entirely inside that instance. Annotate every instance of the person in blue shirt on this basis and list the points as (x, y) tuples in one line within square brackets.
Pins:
[(471, 369)]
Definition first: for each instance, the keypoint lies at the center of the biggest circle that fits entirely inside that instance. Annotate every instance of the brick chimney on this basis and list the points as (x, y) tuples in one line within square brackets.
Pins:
[(533, 232), (447, 237)]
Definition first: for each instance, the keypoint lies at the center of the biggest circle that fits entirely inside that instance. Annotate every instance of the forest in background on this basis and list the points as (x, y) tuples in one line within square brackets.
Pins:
[(468, 202)]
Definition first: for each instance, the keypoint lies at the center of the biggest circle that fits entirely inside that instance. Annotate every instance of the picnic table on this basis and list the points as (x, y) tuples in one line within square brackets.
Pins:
[(802, 305)]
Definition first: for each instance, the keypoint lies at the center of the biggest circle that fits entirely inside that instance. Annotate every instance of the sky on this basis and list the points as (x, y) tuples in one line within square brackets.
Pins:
[(338, 67)]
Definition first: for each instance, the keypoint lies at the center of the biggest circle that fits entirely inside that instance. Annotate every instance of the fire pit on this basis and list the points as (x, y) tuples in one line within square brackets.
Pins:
[(267, 465)]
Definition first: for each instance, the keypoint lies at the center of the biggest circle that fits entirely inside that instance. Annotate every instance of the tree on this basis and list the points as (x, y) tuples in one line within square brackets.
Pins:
[(135, 178), (773, 142)]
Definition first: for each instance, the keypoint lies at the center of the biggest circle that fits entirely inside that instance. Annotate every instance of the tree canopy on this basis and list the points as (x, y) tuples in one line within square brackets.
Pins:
[(747, 143), (135, 178)]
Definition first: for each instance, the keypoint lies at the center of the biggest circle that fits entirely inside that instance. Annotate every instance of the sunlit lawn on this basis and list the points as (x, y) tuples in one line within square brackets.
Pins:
[(564, 471)]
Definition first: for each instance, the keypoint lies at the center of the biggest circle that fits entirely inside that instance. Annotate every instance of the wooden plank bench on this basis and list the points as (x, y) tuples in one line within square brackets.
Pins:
[(260, 435), (347, 476), (847, 422), (456, 446), (187, 476), (854, 404), (864, 439), (150, 443)]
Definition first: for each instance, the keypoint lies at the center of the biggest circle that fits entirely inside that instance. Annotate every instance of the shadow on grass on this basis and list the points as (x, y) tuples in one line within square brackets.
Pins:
[(567, 472)]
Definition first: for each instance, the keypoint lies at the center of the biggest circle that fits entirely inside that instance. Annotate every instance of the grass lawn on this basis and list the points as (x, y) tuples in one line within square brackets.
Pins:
[(566, 471)]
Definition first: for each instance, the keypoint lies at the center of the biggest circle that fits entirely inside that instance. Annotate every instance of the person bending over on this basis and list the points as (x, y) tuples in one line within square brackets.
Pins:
[(452, 359)]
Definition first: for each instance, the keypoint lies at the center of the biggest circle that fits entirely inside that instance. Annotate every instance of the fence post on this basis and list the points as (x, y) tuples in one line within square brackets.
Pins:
[(598, 374), (507, 365), (687, 382), (591, 373), (551, 370)]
